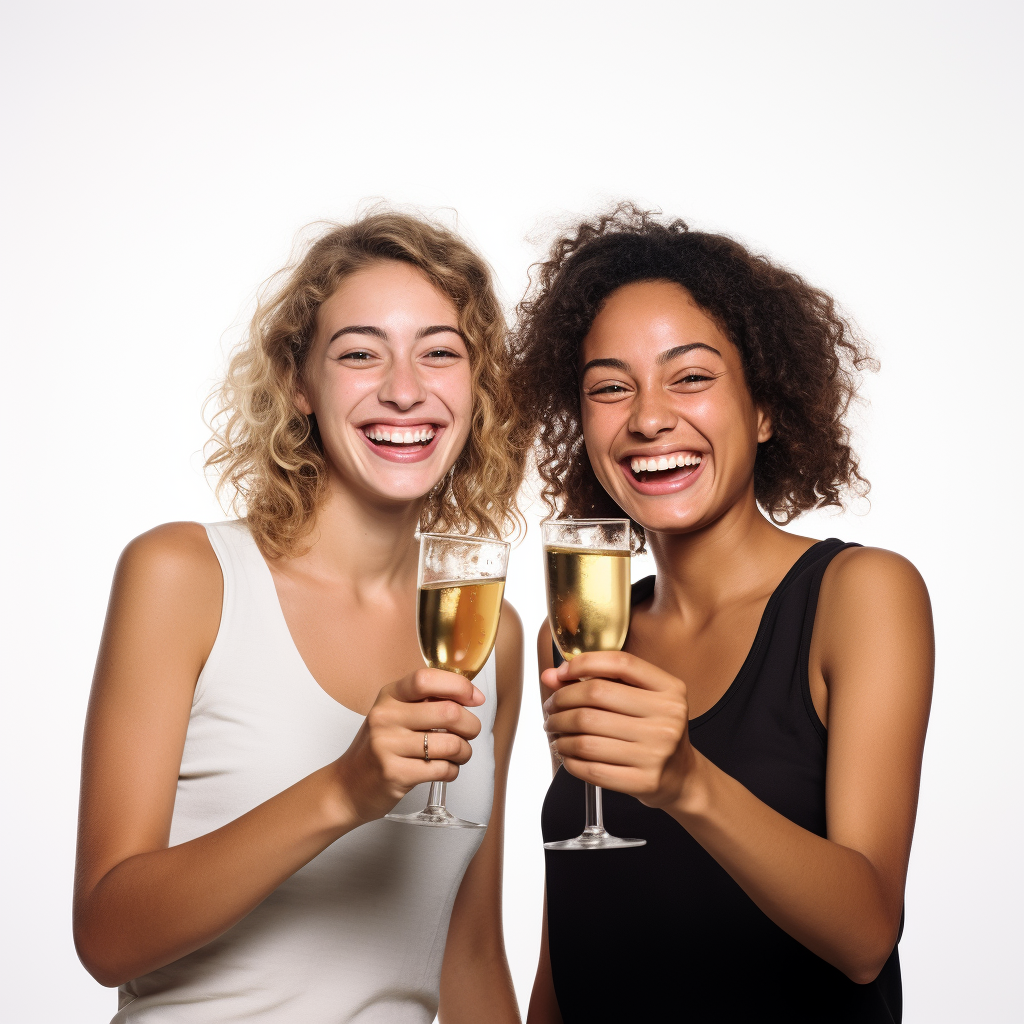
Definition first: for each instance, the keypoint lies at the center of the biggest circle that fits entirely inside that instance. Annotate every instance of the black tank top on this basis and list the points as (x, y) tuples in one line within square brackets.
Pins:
[(662, 932)]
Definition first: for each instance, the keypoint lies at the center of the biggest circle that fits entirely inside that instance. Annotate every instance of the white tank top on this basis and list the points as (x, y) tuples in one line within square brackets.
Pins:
[(358, 934)]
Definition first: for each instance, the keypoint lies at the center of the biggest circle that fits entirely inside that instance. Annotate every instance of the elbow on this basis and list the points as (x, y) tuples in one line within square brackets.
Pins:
[(104, 972), (864, 964), (98, 958), (865, 973)]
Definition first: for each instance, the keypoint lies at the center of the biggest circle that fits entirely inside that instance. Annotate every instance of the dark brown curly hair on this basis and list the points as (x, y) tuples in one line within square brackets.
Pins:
[(800, 357)]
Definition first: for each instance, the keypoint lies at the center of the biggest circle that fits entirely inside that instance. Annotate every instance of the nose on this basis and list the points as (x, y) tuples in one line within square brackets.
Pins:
[(650, 414), (402, 386)]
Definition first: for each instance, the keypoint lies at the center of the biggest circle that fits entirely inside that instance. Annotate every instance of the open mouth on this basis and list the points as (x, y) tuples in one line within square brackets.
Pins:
[(663, 474), (397, 437), (664, 467)]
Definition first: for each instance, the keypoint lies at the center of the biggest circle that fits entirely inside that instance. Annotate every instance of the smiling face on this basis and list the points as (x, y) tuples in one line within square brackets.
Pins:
[(669, 424), (388, 378)]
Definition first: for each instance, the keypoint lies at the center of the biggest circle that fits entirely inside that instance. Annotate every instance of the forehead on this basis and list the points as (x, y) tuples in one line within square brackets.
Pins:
[(638, 321), (387, 291)]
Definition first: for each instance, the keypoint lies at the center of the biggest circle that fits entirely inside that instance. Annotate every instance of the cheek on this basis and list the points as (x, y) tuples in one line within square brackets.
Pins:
[(456, 392), (600, 423)]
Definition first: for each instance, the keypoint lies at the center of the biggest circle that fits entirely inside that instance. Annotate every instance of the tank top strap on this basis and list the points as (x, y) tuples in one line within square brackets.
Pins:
[(250, 606), (807, 588)]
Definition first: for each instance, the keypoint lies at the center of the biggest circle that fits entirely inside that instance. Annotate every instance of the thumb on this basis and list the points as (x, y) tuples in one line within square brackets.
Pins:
[(550, 681)]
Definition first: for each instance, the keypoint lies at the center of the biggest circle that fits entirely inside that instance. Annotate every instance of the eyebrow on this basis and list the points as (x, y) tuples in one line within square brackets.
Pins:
[(376, 332), (663, 357)]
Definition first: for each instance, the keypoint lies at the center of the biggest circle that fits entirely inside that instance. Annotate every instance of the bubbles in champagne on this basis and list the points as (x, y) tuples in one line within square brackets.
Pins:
[(588, 599), (457, 624)]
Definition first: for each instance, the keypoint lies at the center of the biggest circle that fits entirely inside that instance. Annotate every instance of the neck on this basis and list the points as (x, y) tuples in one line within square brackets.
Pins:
[(701, 570), (366, 544)]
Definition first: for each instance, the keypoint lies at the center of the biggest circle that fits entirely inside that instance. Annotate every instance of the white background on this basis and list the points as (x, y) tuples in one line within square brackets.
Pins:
[(159, 162)]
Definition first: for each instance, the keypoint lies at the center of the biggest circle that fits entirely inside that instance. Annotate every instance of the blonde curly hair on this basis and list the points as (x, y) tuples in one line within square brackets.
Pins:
[(268, 454)]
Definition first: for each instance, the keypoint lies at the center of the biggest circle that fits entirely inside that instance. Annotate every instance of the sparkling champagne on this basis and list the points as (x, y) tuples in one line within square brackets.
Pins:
[(588, 599), (458, 622)]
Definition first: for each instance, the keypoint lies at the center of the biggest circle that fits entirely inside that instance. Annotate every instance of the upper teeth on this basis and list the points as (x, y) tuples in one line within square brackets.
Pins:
[(663, 462), (397, 436)]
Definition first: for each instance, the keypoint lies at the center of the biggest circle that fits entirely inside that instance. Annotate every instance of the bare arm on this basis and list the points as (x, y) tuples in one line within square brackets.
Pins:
[(140, 905), (543, 1001), (475, 981), (840, 896)]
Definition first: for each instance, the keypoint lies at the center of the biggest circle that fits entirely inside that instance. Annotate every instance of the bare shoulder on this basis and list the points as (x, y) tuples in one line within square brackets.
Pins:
[(873, 604), (508, 648), (858, 574), (172, 552), (168, 586)]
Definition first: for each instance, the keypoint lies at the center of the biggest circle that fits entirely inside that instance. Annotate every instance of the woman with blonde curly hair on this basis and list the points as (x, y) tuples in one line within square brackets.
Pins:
[(259, 702)]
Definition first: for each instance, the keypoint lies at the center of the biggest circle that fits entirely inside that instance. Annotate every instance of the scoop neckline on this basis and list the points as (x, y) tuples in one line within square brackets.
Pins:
[(283, 621), (759, 635)]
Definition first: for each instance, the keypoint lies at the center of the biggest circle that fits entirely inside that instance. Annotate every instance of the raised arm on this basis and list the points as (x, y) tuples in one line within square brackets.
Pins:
[(138, 904), (840, 896)]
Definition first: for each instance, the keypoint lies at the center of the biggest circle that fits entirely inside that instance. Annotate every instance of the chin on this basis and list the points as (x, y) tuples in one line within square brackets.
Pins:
[(403, 492)]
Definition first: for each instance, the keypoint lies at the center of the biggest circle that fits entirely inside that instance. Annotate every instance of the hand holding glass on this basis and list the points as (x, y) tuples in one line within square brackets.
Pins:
[(586, 566), (460, 584)]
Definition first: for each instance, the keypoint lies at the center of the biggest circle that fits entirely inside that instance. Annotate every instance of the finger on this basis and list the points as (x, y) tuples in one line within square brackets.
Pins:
[(432, 683), (440, 746), (626, 668), (607, 776), (604, 694), (435, 770), (595, 722), (600, 749), (549, 679), (441, 714)]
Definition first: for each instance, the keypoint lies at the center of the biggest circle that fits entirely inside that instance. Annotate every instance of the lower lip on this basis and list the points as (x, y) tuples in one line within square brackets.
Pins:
[(405, 453), (664, 481)]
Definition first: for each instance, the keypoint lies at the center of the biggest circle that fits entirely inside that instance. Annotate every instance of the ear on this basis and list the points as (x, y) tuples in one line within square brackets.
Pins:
[(302, 403), (764, 426)]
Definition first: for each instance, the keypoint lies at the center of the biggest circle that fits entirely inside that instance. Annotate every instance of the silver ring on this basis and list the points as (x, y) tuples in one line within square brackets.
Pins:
[(426, 751)]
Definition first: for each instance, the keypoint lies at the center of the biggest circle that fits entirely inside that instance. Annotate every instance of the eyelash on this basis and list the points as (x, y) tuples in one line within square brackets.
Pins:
[(437, 353), (690, 378)]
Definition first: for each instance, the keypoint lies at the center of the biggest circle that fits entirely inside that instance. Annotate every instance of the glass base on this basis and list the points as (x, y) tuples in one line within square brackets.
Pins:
[(434, 817), (595, 839)]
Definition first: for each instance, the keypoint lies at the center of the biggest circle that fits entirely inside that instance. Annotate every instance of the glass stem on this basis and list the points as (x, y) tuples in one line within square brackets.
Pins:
[(439, 793), (595, 811)]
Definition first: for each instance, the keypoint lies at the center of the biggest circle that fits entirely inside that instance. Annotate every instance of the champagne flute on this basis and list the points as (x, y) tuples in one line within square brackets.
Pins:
[(586, 565), (460, 584)]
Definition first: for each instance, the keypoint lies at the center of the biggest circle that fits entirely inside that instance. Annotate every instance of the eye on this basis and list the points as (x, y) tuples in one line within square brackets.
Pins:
[(608, 389), (359, 356), (695, 380), (442, 353)]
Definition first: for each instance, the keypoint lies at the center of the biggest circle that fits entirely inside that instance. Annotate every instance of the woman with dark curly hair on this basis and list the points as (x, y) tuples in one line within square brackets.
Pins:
[(260, 701), (763, 726)]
